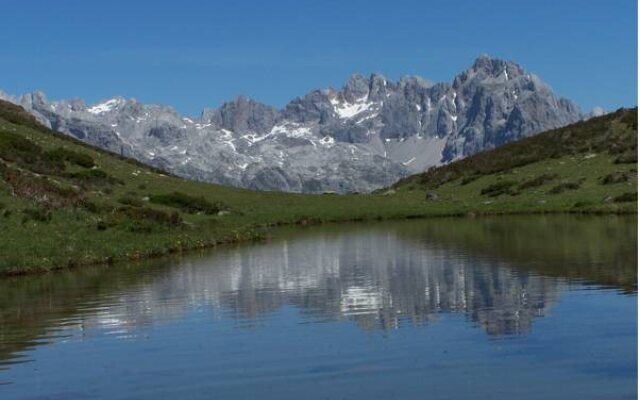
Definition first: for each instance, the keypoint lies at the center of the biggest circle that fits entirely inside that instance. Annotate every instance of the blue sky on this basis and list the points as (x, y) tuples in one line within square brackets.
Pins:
[(194, 54)]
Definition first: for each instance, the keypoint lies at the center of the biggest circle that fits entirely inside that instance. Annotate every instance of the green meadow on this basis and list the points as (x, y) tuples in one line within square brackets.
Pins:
[(65, 204)]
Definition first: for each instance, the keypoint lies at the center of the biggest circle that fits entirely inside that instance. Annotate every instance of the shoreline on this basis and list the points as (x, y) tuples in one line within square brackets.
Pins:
[(252, 234)]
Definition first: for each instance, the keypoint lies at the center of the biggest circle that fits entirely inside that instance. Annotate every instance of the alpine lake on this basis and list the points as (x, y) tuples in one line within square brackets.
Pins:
[(526, 307)]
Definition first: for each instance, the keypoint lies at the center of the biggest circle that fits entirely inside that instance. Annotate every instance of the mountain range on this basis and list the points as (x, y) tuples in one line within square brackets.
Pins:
[(364, 136)]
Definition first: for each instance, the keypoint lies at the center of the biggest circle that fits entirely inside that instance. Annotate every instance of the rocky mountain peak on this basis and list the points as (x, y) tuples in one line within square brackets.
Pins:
[(356, 88), (242, 115), (487, 68), (361, 137), (377, 87), (36, 98)]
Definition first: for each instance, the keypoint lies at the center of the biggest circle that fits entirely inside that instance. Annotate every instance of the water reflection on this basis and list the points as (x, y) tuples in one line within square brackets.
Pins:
[(374, 278), (380, 277)]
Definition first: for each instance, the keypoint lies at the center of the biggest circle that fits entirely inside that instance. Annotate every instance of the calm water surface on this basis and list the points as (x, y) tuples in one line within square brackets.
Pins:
[(500, 308)]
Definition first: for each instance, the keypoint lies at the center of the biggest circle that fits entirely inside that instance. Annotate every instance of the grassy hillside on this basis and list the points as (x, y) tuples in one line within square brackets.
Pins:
[(63, 203), (589, 166)]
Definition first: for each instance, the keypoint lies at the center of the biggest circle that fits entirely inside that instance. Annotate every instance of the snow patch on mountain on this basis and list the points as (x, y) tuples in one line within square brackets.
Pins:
[(104, 107), (346, 110)]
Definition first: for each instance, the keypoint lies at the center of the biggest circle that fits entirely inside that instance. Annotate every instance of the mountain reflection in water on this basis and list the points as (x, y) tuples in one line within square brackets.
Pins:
[(499, 273), (374, 278)]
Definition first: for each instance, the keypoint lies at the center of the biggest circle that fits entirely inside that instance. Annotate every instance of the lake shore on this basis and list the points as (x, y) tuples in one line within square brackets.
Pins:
[(162, 244)]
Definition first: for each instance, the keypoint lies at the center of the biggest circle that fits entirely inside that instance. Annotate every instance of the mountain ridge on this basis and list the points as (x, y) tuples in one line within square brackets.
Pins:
[(363, 136)]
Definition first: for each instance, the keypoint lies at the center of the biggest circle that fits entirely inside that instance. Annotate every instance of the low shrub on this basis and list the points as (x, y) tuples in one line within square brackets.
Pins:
[(626, 197), (501, 187), (4, 212), (101, 225), (581, 204), (187, 203), (616, 177), (91, 207), (468, 179), (40, 189), (629, 157), (129, 200), (73, 157), (563, 187), (537, 181), (144, 219), (36, 214), (94, 176), (27, 154)]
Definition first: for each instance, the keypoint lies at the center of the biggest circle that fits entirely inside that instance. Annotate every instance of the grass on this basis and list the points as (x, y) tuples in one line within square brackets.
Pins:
[(614, 134), (65, 204)]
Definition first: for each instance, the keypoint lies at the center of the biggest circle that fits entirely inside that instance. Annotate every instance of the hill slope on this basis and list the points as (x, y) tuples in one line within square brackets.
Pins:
[(64, 203), (589, 166)]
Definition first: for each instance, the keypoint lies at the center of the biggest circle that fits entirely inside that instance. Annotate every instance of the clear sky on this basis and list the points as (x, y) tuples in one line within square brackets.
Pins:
[(193, 54)]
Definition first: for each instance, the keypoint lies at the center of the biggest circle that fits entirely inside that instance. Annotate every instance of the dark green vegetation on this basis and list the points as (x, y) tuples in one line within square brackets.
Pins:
[(614, 135), (186, 203), (589, 166), (63, 203)]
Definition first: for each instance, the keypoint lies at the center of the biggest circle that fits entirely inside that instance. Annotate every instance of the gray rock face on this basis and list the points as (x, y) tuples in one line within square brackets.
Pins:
[(242, 115), (359, 138)]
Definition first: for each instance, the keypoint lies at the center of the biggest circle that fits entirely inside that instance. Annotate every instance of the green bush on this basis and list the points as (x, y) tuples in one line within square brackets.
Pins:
[(630, 157), (468, 179), (186, 203), (616, 177), (626, 197), (71, 156), (537, 181), (91, 207), (17, 115), (563, 187), (501, 187), (94, 176), (40, 189), (145, 219), (36, 214), (130, 201), (24, 152)]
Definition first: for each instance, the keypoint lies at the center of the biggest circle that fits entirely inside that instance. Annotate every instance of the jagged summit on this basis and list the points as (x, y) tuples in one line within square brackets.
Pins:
[(362, 136), (487, 68), (242, 115), (495, 66)]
